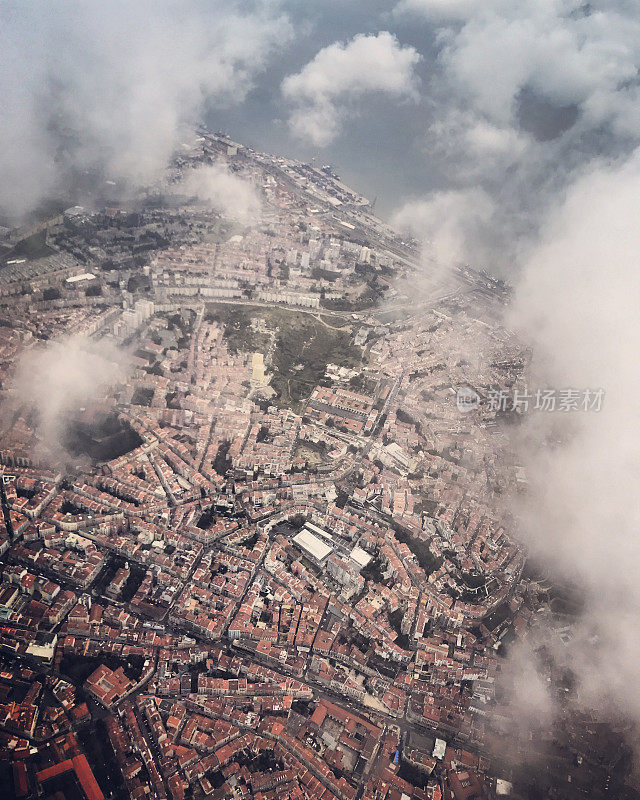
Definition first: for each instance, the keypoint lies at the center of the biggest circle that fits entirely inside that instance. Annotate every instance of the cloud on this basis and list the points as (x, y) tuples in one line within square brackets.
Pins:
[(523, 685), (578, 302), (324, 91), (535, 110), (449, 224), (233, 196), (557, 49), (58, 379), (106, 87), (524, 96)]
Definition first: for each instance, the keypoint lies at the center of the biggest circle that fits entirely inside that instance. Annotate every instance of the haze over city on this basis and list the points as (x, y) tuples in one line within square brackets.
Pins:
[(318, 399)]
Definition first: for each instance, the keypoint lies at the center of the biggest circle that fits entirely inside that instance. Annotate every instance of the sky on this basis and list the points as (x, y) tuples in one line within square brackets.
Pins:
[(504, 134)]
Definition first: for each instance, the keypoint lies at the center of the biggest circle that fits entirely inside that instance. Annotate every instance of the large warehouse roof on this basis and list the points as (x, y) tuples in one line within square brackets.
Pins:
[(316, 531), (315, 547)]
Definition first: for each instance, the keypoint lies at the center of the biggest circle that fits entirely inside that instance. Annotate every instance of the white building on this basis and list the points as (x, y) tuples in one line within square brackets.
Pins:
[(313, 547)]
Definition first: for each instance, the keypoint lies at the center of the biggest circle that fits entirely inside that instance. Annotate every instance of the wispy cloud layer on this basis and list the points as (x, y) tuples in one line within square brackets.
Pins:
[(106, 87), (326, 89), (56, 380), (232, 195), (525, 97), (578, 303)]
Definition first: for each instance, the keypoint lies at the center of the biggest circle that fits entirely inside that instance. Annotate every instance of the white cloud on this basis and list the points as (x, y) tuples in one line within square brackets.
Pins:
[(449, 224), (473, 147), (325, 89), (57, 379), (564, 209), (109, 85), (578, 302), (564, 49), (504, 46), (226, 192), (525, 95)]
